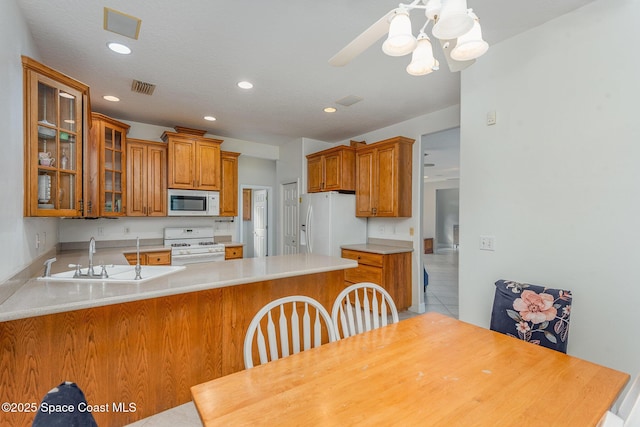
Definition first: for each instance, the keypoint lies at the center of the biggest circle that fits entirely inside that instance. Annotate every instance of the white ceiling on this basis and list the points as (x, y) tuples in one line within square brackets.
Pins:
[(196, 50)]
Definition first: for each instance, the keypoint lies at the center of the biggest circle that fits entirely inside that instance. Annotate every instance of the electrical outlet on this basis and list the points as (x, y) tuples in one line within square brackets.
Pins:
[(411, 231), (37, 240), (491, 118), (487, 243), (126, 230), (100, 231)]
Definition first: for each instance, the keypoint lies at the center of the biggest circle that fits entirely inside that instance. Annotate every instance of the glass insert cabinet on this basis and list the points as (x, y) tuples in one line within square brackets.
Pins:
[(54, 110), (105, 167)]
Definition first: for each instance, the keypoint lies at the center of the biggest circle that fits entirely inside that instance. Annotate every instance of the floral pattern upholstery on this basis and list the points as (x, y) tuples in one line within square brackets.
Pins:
[(532, 313)]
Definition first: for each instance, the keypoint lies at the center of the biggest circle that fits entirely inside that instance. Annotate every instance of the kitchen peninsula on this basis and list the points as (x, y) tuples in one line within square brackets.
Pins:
[(145, 343)]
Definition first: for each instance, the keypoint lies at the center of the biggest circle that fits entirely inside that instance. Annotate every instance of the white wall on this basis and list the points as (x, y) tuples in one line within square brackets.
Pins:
[(399, 228), (429, 205), (556, 180), (17, 234)]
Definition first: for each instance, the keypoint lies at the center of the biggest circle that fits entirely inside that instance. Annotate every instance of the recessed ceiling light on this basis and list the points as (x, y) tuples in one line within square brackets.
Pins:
[(210, 118), (111, 98), (66, 95), (245, 84), (119, 48), (330, 110)]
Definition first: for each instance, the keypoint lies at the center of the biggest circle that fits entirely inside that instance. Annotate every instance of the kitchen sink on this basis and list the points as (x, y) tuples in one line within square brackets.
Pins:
[(117, 274)]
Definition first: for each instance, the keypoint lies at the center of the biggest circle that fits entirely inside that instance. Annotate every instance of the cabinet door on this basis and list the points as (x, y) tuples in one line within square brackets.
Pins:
[(136, 179), (156, 180), (314, 174), (182, 163), (207, 165), (387, 197), (365, 183), (112, 195), (229, 192), (332, 172), (53, 145)]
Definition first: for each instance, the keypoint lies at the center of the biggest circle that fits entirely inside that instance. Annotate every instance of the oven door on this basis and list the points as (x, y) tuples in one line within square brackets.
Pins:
[(178, 259)]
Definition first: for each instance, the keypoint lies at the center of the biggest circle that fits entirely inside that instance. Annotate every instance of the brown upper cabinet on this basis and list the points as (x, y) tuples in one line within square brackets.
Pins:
[(104, 169), (193, 160), (332, 170), (146, 178), (229, 191), (383, 178), (55, 110)]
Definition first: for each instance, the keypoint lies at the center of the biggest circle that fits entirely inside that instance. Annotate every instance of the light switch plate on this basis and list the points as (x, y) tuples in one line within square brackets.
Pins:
[(487, 243)]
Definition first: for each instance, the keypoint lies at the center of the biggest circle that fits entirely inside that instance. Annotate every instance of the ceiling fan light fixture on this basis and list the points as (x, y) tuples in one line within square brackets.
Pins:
[(454, 20), (470, 45), (400, 40), (422, 60)]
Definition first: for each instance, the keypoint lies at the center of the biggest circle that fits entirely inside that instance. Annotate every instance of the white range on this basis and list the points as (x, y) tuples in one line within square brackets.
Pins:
[(192, 244)]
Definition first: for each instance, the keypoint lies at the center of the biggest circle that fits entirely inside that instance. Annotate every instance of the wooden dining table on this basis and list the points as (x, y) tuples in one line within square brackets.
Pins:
[(429, 370)]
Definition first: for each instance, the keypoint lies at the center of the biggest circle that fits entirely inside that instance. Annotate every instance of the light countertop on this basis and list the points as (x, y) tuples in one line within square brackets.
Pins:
[(40, 297), (378, 248)]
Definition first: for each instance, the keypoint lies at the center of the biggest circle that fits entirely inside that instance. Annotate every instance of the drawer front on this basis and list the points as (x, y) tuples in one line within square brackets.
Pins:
[(159, 258), (233, 252), (364, 257), (364, 273)]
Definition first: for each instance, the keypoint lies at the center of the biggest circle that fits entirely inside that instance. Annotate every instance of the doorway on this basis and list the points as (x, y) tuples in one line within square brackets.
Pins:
[(440, 153), (257, 219)]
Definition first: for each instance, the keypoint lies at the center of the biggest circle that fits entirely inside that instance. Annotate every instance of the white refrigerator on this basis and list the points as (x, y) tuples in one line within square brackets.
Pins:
[(327, 221)]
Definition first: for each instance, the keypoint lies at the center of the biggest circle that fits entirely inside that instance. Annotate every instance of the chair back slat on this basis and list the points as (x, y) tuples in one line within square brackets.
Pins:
[(317, 331), (306, 328), (284, 332), (292, 332), (295, 327), (358, 312), (350, 317), (262, 347), (366, 311), (374, 310), (369, 312), (383, 309), (271, 337)]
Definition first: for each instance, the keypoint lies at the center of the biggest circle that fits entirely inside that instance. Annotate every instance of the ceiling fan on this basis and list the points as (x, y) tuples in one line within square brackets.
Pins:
[(456, 27)]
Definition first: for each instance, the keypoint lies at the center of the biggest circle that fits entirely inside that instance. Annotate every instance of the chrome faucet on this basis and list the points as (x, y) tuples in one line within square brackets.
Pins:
[(92, 250)]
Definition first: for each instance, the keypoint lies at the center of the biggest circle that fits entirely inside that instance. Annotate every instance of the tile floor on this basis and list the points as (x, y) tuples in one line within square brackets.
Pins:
[(442, 291), (441, 296)]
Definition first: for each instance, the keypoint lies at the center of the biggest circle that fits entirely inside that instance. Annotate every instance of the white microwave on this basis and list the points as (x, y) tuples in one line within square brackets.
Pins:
[(193, 203)]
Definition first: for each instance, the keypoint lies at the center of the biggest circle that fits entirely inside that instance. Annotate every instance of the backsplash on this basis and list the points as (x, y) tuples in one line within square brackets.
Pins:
[(146, 228)]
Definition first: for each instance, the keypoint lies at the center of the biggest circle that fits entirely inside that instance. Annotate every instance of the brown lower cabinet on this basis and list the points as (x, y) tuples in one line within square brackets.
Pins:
[(233, 252), (391, 271), (142, 356), (150, 258)]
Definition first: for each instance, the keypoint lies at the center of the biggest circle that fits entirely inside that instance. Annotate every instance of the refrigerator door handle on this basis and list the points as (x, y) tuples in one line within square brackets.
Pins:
[(309, 230)]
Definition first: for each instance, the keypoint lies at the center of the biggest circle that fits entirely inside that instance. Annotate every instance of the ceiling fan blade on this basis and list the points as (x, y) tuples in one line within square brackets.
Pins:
[(362, 42), (454, 66)]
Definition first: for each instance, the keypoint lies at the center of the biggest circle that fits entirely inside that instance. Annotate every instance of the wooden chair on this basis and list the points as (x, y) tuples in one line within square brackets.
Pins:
[(362, 307), (293, 334), (628, 414)]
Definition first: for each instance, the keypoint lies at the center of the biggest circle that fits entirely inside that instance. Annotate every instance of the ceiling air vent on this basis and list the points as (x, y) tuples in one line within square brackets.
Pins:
[(143, 87), (348, 101)]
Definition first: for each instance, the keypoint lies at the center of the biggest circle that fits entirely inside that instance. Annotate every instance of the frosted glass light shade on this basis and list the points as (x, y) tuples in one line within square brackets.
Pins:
[(454, 20), (470, 45), (422, 60), (400, 40)]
